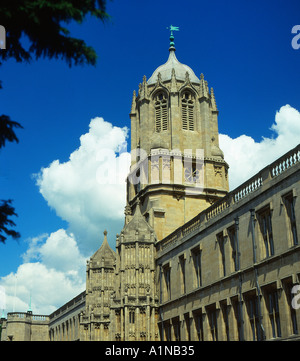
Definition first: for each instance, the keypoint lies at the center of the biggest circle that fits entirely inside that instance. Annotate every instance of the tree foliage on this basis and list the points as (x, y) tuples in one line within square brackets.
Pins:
[(6, 130), (43, 23), (6, 211)]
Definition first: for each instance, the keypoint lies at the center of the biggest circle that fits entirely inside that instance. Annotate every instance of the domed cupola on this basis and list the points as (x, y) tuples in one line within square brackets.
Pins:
[(166, 69), (180, 69)]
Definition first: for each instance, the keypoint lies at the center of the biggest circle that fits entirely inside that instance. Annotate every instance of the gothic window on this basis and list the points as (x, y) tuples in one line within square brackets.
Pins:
[(161, 111), (187, 111)]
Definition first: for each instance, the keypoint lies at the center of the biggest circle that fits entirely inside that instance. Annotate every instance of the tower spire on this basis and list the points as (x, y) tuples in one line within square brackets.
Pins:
[(172, 44), (105, 236)]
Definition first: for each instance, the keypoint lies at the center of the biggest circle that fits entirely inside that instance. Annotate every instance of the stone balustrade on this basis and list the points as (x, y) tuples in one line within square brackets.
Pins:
[(271, 171)]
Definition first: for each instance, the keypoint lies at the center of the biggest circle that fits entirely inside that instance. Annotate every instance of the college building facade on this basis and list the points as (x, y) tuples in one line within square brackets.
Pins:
[(193, 261)]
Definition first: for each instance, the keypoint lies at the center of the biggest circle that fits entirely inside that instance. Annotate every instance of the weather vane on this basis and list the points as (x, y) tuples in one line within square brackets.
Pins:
[(172, 28)]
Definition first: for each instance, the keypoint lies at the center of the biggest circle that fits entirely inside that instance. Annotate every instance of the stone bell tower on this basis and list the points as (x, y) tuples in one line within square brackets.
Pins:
[(177, 168)]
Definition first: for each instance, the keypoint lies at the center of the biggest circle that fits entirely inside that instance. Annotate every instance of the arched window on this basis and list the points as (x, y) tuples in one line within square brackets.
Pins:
[(161, 111), (187, 111)]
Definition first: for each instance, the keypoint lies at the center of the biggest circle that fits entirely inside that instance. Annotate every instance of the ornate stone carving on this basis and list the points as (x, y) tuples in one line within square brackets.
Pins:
[(218, 170)]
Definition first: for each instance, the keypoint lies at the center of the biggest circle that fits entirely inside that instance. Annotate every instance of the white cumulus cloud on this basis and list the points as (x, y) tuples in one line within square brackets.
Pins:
[(246, 157), (57, 251), (53, 272), (89, 190)]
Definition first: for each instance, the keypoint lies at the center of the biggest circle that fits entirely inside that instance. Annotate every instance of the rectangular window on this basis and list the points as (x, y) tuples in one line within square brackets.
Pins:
[(167, 278), (176, 328), (221, 241), (253, 314), (187, 327), (265, 223), (224, 309), (212, 319), (167, 329), (237, 308), (233, 243), (131, 316), (288, 286), (198, 319), (182, 274), (273, 308), (196, 256), (289, 202)]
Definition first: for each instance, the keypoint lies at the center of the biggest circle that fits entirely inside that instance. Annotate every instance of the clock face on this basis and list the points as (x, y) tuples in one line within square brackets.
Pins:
[(191, 175)]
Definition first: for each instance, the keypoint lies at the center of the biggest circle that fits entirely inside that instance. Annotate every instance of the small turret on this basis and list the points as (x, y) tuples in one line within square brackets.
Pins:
[(104, 256), (213, 100)]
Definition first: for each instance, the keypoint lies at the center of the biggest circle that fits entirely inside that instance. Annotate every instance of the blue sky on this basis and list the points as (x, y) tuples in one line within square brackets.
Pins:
[(243, 48)]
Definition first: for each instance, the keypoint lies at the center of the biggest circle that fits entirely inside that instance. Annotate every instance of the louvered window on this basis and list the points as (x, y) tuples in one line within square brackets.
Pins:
[(187, 108), (161, 112)]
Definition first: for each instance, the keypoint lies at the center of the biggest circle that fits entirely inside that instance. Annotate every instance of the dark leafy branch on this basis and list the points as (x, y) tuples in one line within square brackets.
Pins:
[(6, 130), (6, 211), (42, 24)]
